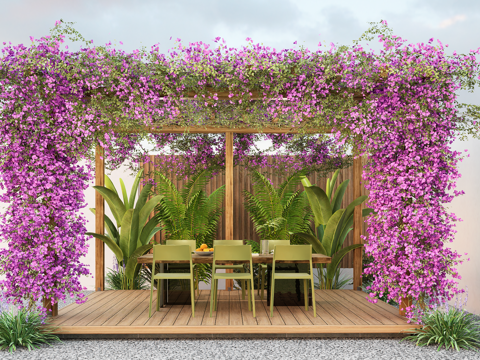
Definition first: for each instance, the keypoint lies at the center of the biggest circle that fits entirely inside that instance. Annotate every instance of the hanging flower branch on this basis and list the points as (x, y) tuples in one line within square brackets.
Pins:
[(398, 106)]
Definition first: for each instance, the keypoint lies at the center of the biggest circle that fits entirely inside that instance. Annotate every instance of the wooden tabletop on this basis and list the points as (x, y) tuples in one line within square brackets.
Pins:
[(256, 259)]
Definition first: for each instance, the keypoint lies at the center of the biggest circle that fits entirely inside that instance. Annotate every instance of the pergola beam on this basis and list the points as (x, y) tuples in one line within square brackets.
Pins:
[(99, 220), (220, 130)]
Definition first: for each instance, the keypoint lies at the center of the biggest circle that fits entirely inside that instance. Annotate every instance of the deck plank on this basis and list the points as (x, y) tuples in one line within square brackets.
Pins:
[(286, 314), (87, 311), (80, 307), (247, 316), (207, 319), (223, 308), (359, 308), (263, 317), (328, 306), (235, 308), (172, 315), (131, 295), (376, 308), (74, 305), (350, 313), (157, 316), (136, 312), (126, 310), (201, 309)]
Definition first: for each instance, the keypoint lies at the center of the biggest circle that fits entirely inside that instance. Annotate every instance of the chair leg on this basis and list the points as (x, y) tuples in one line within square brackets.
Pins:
[(192, 294), (212, 296), (159, 292), (243, 285), (216, 294), (258, 279), (305, 293), (253, 296), (151, 299), (198, 284), (313, 299), (249, 297), (263, 282), (272, 292)]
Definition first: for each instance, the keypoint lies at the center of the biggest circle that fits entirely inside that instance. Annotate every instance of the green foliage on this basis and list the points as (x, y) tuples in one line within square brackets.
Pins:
[(337, 282), (278, 213), (115, 280), (189, 213), (332, 226), (451, 327), (255, 246), (24, 328), (130, 238)]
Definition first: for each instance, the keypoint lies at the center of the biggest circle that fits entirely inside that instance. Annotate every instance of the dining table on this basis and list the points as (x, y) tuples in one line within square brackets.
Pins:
[(182, 296)]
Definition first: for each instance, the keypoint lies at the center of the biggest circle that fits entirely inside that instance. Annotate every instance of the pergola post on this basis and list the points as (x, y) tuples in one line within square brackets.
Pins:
[(229, 194), (357, 223), (99, 220)]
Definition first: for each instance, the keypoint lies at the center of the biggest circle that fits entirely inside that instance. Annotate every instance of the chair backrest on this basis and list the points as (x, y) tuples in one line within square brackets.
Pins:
[(171, 253), (227, 242), (273, 243), (232, 253), (293, 252), (191, 243)]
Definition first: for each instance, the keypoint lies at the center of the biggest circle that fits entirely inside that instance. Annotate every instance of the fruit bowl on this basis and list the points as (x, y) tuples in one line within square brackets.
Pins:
[(204, 253)]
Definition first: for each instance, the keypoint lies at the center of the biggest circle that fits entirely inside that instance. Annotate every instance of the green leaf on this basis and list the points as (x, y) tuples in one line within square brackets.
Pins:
[(109, 225), (147, 209), (320, 204), (132, 260), (316, 244), (116, 205), (124, 194), (147, 230), (126, 243), (336, 258), (109, 184), (338, 197), (332, 185), (111, 244), (133, 192), (143, 197), (330, 229), (367, 211)]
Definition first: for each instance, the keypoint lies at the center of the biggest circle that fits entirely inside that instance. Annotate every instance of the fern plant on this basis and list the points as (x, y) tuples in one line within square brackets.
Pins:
[(276, 213), (189, 213)]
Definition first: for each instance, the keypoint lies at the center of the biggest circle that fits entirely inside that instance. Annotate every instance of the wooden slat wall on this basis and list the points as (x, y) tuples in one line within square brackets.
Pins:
[(243, 227)]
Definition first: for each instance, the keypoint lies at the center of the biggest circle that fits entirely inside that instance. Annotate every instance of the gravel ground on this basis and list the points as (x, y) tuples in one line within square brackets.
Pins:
[(233, 349)]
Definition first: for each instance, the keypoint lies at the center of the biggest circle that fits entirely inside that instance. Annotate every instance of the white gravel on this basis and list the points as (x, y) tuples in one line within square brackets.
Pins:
[(233, 349)]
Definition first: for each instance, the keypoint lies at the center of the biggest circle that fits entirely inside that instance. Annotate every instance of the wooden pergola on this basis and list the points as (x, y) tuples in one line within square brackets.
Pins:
[(229, 206)]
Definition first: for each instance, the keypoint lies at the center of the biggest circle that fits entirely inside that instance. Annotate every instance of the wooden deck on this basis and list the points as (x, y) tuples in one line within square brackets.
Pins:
[(116, 314)]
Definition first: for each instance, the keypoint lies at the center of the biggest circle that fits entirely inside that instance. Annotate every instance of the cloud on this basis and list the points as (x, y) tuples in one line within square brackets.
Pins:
[(450, 21)]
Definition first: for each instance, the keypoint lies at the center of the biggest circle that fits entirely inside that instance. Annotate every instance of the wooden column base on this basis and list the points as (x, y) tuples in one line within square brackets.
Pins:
[(404, 303), (52, 310)]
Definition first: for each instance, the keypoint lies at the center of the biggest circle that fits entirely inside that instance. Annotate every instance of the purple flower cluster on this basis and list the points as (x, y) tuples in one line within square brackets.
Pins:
[(398, 107)]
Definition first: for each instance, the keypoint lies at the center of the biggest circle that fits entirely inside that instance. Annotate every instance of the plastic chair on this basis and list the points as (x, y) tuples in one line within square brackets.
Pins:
[(166, 254), (226, 253), (193, 247), (232, 267), (294, 253), (262, 268)]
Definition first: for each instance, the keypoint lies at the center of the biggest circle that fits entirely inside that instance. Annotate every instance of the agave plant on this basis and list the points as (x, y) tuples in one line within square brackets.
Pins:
[(332, 225), (130, 237), (277, 213)]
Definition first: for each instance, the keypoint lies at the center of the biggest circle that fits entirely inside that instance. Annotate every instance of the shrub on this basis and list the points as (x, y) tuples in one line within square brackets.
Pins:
[(115, 280), (25, 328), (451, 327)]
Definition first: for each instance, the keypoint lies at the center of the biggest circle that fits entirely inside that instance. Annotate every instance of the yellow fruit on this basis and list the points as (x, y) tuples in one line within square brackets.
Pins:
[(211, 249), (204, 246), (206, 249), (198, 249)]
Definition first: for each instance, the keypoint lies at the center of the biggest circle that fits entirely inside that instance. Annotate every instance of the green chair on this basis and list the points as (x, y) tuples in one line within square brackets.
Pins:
[(171, 253), (262, 268), (193, 247), (294, 253), (226, 253), (232, 267)]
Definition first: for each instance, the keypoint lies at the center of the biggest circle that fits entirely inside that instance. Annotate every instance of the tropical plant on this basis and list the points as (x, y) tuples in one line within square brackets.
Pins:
[(332, 225), (189, 213), (133, 238), (24, 328), (451, 327), (278, 213), (115, 280)]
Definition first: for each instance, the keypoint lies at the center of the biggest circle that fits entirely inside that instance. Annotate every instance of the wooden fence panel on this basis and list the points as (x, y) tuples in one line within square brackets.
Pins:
[(243, 226)]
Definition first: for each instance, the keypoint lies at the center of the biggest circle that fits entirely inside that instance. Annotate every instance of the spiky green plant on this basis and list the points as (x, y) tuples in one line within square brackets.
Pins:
[(277, 213), (452, 327), (332, 225), (24, 328), (133, 238)]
